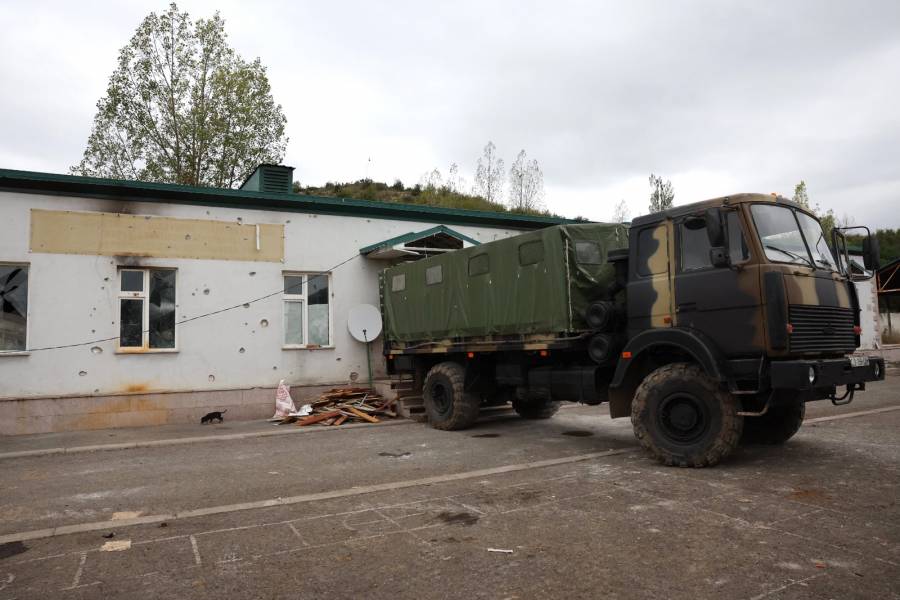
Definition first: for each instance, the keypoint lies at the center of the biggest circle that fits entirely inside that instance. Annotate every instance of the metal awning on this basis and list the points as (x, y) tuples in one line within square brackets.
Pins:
[(419, 244)]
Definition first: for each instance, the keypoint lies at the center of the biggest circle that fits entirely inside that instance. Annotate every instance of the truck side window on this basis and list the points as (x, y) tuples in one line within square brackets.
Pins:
[(652, 254), (479, 264), (531, 252), (694, 245), (398, 282), (434, 275), (737, 245), (588, 253)]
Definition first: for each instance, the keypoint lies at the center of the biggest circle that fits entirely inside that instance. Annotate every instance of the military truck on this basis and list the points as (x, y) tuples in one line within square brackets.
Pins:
[(707, 324)]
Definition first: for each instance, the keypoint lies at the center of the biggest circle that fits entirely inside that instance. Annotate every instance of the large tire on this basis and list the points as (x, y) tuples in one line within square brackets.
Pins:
[(682, 417), (535, 409), (447, 404), (778, 425)]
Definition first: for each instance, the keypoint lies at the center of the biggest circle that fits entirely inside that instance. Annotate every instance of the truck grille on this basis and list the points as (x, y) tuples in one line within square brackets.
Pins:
[(821, 329)]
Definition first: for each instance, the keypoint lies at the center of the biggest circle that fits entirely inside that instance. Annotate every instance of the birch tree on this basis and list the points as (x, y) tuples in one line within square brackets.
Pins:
[(489, 175), (661, 194), (526, 184)]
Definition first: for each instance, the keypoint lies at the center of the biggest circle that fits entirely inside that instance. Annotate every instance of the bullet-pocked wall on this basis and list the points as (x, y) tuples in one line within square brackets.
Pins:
[(75, 294)]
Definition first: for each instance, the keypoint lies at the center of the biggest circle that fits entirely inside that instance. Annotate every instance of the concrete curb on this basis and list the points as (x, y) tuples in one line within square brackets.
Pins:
[(193, 440)]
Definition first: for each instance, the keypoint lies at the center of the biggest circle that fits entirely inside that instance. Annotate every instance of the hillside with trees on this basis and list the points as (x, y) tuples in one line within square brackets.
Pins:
[(429, 195)]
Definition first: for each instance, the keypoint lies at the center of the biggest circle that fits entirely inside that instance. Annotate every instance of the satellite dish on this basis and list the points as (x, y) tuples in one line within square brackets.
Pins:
[(364, 322)]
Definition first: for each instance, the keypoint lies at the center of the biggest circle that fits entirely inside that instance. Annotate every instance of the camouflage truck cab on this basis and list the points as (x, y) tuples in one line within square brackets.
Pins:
[(716, 323)]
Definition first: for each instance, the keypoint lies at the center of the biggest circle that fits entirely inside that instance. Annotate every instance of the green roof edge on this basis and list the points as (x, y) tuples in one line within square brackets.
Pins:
[(417, 234), (143, 191)]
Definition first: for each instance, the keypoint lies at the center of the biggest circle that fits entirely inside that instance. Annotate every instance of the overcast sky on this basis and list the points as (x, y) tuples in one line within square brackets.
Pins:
[(720, 97)]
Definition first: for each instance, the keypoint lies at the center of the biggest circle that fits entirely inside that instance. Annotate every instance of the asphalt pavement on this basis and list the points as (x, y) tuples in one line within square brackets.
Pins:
[(564, 508)]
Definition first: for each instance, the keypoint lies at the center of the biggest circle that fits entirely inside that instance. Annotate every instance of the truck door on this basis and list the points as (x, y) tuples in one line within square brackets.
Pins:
[(723, 303), (649, 295)]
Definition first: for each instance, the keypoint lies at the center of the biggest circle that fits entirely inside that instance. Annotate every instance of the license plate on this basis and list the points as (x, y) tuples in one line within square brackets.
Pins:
[(859, 361)]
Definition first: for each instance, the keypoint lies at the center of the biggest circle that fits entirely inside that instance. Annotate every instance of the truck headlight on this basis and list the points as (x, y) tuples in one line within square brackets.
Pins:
[(812, 375)]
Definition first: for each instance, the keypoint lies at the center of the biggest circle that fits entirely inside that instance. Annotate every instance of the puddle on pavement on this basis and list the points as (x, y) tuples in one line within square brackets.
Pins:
[(578, 433), (391, 455), (12, 549), (458, 518), (486, 435)]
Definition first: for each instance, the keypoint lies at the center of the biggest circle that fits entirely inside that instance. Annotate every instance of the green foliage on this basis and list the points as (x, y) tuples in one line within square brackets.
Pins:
[(800, 195), (662, 195), (183, 107), (442, 196), (889, 244)]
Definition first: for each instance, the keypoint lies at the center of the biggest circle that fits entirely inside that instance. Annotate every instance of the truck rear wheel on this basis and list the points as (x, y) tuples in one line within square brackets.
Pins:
[(447, 404), (778, 425), (535, 409), (682, 417)]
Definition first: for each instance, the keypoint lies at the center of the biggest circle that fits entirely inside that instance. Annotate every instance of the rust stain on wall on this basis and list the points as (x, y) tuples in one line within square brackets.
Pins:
[(116, 234)]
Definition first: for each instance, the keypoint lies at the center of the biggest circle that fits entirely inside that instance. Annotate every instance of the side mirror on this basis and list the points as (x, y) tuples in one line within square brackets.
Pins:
[(714, 228), (871, 253)]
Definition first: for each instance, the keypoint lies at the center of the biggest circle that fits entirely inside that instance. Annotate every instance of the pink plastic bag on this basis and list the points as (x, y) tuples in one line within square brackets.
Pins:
[(284, 405)]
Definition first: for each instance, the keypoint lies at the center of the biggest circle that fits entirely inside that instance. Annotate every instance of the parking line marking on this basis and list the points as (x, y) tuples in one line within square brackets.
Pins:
[(861, 413), (196, 550), (330, 495)]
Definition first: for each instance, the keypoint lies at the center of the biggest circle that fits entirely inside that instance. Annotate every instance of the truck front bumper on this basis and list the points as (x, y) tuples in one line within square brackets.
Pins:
[(825, 373)]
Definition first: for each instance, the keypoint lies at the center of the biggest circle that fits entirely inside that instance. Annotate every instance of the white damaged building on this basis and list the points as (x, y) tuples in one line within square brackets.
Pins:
[(126, 303)]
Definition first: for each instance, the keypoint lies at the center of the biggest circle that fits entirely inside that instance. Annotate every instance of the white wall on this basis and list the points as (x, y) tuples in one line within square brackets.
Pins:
[(73, 299)]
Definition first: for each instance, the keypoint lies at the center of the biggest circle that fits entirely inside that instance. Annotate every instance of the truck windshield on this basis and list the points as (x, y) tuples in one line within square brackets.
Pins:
[(782, 232)]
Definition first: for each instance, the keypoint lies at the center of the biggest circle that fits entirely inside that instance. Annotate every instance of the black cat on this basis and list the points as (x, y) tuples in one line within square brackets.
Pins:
[(213, 417)]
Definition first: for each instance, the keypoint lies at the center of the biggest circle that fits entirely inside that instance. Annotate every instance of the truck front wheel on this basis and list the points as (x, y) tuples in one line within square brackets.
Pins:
[(447, 404), (778, 424), (682, 417)]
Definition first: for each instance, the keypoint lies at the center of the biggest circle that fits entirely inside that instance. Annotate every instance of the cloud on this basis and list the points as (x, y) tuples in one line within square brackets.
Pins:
[(720, 97)]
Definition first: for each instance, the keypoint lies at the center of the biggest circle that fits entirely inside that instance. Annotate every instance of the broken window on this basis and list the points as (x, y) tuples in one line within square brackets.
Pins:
[(307, 313), (147, 309), (13, 307)]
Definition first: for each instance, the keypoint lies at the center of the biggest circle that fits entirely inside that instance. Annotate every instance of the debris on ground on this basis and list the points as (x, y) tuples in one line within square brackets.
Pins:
[(339, 406), (284, 404), (502, 550)]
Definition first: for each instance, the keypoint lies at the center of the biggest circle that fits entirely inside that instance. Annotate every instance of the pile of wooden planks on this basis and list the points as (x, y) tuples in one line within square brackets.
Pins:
[(346, 405)]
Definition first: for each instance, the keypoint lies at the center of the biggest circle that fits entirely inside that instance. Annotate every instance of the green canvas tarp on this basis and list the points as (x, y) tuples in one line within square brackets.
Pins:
[(534, 283)]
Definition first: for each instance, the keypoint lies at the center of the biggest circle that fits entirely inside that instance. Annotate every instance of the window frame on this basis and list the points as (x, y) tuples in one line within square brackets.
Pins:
[(679, 242), (303, 299), (743, 231), (25, 351), (439, 269), (144, 296), (477, 257), (649, 229), (539, 243)]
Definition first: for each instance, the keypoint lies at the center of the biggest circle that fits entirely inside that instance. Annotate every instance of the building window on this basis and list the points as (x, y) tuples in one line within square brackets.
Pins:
[(147, 309), (13, 308), (307, 317)]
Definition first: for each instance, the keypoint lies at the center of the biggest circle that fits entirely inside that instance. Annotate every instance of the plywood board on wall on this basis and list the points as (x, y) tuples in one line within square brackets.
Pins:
[(115, 234)]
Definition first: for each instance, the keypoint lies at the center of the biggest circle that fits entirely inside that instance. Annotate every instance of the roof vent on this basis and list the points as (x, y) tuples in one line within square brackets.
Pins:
[(271, 179)]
